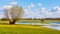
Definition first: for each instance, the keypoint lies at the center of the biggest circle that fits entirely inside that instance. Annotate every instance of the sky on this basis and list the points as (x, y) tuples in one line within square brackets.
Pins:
[(34, 8)]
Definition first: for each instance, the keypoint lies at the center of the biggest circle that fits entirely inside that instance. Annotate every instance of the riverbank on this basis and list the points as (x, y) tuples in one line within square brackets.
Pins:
[(26, 29)]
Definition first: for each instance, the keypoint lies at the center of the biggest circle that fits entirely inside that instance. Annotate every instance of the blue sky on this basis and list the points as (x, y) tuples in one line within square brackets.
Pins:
[(35, 8)]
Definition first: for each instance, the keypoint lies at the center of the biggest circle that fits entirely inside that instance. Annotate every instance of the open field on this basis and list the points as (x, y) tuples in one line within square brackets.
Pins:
[(26, 29)]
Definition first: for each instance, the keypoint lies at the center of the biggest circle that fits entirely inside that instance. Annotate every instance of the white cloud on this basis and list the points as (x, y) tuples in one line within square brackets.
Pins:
[(55, 12), (32, 5), (14, 3), (39, 4), (43, 8), (45, 11), (33, 14), (25, 10), (48, 13), (58, 9), (28, 7), (36, 13), (7, 6), (55, 9), (1, 8)]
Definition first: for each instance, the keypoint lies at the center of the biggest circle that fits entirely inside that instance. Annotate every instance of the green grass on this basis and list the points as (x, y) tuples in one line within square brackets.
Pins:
[(26, 29)]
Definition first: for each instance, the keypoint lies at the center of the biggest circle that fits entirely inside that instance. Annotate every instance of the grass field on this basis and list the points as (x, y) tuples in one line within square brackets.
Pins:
[(26, 29)]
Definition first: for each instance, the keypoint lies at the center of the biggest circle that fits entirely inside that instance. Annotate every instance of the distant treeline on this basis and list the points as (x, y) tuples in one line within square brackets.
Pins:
[(42, 19), (35, 19)]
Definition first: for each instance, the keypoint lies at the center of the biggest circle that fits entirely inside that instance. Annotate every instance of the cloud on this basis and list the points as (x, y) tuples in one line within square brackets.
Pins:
[(30, 6), (1, 8), (45, 11), (55, 12), (37, 13), (55, 9), (58, 9), (7, 6), (13, 3), (31, 14), (25, 10), (39, 4)]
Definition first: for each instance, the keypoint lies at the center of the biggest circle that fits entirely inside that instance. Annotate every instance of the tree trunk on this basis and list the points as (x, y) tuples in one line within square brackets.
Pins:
[(12, 22)]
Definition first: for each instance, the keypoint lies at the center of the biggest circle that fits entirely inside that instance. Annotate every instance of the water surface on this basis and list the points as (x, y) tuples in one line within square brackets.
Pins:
[(53, 25)]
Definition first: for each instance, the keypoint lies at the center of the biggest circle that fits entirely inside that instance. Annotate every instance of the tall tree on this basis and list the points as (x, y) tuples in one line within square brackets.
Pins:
[(14, 13)]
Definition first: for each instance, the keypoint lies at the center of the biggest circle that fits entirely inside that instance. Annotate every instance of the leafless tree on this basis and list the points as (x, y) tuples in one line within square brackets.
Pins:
[(14, 13)]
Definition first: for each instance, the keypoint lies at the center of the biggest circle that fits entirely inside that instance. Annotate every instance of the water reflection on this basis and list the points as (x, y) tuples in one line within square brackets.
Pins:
[(53, 25)]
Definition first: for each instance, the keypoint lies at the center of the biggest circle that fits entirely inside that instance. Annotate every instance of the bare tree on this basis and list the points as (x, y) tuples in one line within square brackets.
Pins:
[(13, 14)]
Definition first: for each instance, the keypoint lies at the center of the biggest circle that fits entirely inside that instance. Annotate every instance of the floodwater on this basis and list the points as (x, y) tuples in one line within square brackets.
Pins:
[(53, 25)]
